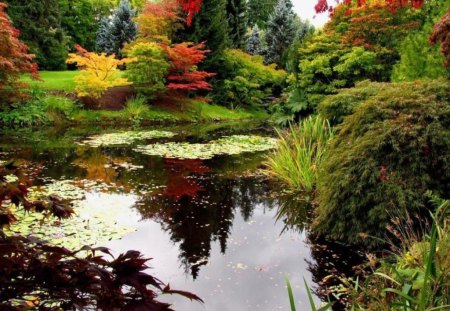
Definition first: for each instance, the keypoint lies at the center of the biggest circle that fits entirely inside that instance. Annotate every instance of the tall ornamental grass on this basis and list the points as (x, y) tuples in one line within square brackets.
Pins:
[(301, 150)]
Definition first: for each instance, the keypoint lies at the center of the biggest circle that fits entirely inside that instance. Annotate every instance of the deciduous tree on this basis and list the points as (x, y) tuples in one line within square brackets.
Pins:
[(14, 58)]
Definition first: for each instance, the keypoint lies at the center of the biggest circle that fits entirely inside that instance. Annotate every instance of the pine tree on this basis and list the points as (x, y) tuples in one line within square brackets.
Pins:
[(280, 33), (237, 22), (103, 42), (123, 28), (254, 42), (39, 22), (209, 26), (118, 30)]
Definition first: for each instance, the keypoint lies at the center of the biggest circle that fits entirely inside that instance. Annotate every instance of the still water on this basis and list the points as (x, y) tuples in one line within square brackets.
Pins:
[(211, 225)]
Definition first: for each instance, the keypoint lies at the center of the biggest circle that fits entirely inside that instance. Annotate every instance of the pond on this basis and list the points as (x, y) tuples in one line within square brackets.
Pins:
[(191, 197)]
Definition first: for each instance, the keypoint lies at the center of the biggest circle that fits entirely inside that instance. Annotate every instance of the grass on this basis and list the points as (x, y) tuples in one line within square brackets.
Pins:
[(300, 152), (54, 80)]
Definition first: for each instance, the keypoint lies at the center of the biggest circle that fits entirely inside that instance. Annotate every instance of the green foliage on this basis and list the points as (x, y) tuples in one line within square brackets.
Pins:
[(419, 59), (387, 154), (136, 109), (259, 12), (254, 42), (149, 69), (59, 106), (26, 113), (280, 33), (417, 277), (300, 153), (237, 22), (248, 81), (39, 22)]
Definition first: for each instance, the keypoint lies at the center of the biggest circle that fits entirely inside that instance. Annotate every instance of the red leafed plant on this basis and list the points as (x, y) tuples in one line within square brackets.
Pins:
[(14, 58), (183, 75), (191, 7), (441, 32), (35, 275)]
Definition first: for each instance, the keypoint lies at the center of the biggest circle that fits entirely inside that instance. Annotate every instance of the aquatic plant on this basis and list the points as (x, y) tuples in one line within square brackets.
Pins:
[(300, 153), (124, 138), (35, 275), (312, 304), (230, 145)]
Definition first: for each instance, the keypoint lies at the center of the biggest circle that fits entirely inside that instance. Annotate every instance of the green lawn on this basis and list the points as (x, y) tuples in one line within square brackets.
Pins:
[(54, 80)]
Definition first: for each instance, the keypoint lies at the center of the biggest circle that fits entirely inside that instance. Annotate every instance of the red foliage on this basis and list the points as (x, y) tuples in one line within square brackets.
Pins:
[(191, 7), (183, 73), (14, 57), (441, 32)]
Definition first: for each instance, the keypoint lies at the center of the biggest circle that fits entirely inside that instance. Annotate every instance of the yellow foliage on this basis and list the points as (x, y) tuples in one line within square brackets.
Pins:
[(98, 72)]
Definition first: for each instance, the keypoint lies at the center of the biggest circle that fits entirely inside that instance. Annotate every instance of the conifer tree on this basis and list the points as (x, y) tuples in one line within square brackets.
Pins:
[(259, 11), (116, 31), (237, 22), (39, 22), (280, 33), (123, 29), (209, 26), (254, 41)]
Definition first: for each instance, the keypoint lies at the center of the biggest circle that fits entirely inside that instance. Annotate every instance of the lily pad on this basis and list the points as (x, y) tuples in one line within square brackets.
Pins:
[(93, 224), (124, 138), (230, 145)]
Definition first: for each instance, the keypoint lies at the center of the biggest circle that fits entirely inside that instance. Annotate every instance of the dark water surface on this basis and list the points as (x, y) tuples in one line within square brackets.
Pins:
[(209, 225)]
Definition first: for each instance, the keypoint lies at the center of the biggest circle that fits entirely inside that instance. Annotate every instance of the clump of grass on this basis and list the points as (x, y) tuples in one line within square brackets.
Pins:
[(136, 108), (301, 150), (59, 108)]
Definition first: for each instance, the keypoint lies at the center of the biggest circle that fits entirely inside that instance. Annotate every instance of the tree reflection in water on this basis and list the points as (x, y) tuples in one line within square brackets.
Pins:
[(198, 208)]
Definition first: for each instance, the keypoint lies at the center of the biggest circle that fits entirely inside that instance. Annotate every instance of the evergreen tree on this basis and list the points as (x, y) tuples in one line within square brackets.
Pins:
[(254, 41), (118, 30), (210, 26), (237, 22), (259, 11), (78, 22), (123, 28), (103, 41), (39, 22), (280, 33)]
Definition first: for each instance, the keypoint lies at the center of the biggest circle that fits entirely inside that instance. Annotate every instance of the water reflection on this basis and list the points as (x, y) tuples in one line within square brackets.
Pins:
[(213, 220)]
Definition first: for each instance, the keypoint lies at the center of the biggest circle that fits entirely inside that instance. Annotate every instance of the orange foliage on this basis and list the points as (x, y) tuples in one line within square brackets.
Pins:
[(14, 57), (323, 5), (191, 7), (183, 74)]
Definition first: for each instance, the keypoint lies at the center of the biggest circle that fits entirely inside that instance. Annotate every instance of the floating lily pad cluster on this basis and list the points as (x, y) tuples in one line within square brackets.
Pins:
[(230, 145), (89, 226), (124, 138)]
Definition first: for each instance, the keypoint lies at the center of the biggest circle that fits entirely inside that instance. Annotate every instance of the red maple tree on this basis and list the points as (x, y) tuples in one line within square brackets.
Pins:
[(191, 7), (183, 74), (14, 58), (441, 32)]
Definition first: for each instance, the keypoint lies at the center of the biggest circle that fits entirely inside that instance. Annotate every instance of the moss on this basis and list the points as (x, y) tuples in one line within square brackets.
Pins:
[(385, 157)]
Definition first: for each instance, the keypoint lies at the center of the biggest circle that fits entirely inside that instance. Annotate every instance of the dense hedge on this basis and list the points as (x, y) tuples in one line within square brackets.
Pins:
[(394, 148), (336, 107)]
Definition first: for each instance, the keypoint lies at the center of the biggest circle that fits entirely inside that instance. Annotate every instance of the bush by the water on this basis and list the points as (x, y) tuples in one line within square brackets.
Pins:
[(387, 154), (336, 107)]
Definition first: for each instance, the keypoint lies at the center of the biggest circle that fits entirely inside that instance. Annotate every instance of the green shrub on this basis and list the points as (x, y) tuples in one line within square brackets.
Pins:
[(300, 152), (247, 81), (59, 105), (386, 155), (336, 107), (28, 112), (149, 69)]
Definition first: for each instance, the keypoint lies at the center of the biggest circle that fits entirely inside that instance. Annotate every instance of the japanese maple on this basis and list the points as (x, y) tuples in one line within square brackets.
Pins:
[(441, 32), (14, 57), (191, 7), (183, 74)]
